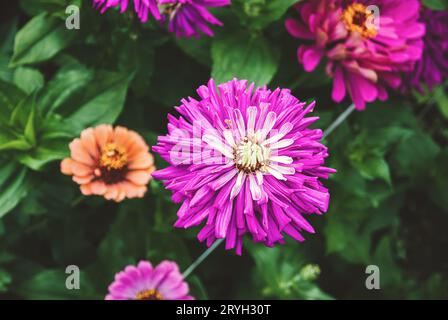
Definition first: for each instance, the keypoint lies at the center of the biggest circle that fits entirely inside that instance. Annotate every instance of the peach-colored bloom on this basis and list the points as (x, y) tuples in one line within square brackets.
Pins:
[(110, 162)]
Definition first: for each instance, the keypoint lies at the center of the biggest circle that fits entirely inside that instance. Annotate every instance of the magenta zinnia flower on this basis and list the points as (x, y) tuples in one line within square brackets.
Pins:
[(141, 7), (189, 17), (432, 69), (244, 160), (144, 282), (363, 57)]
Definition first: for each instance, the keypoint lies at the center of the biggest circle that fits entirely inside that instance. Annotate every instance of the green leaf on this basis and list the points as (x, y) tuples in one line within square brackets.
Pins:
[(28, 79), (47, 151), (50, 143), (198, 49), (30, 127), (6, 73), (344, 237), (35, 7), (368, 150), (370, 164), (51, 285), (7, 32), (436, 4), (10, 96), (14, 186), (317, 78), (137, 58), (40, 39), (21, 113), (70, 79), (441, 98), (310, 291), (5, 280), (178, 77), (243, 56), (438, 180), (375, 167), (103, 100), (415, 153), (19, 144), (384, 258), (258, 14), (122, 246), (281, 273)]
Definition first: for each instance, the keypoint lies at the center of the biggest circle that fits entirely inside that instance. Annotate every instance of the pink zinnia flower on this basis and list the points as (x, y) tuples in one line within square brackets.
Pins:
[(144, 282), (432, 68), (190, 17), (364, 58), (244, 160), (141, 7)]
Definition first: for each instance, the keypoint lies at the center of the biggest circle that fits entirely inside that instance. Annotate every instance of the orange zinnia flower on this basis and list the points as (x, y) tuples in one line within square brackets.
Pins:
[(110, 162)]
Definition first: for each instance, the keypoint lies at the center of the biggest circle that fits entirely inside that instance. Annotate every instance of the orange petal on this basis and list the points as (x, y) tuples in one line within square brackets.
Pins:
[(133, 190), (129, 188), (85, 189), (98, 187), (66, 166), (79, 153), (121, 137), (82, 179), (139, 177), (103, 134), (80, 169), (141, 191), (137, 144), (111, 192), (89, 142), (121, 193), (142, 160)]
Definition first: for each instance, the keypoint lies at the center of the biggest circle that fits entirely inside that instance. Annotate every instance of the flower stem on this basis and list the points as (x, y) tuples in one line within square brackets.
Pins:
[(342, 117), (201, 258)]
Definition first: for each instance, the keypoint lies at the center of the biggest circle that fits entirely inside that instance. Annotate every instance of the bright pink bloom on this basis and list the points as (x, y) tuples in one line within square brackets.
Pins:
[(244, 160), (364, 54), (432, 69), (190, 17), (145, 282), (141, 7), (185, 18)]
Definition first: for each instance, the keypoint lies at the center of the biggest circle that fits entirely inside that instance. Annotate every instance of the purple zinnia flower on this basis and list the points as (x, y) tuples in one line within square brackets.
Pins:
[(365, 53), (245, 160), (141, 7), (189, 17), (144, 282), (432, 69)]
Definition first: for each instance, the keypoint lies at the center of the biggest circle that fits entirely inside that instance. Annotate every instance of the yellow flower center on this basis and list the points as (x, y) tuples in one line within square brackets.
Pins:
[(152, 294), (113, 157), (251, 156), (358, 19)]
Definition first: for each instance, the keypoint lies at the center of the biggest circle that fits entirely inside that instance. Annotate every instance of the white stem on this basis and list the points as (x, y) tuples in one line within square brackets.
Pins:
[(342, 117), (201, 258)]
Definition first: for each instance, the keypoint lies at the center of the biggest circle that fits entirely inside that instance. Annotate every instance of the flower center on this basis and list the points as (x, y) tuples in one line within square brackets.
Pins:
[(169, 9), (357, 18), (151, 294), (251, 156), (113, 157)]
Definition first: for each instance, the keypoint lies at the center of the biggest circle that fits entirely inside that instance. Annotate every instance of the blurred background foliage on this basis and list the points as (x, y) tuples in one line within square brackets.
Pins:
[(389, 202)]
